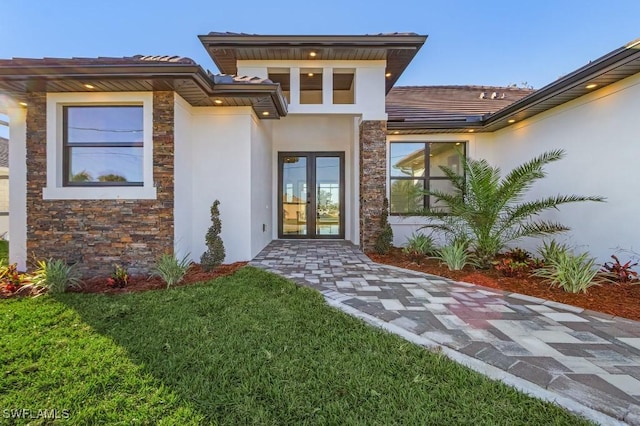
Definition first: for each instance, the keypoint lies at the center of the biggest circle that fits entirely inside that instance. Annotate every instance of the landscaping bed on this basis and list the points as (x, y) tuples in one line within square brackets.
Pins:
[(136, 283), (195, 274), (618, 299)]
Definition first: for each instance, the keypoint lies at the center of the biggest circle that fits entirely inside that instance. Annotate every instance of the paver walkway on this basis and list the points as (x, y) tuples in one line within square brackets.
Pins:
[(591, 358)]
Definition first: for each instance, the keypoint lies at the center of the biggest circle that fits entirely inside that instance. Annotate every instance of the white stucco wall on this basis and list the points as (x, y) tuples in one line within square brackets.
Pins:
[(369, 85), (18, 187), (261, 185), (319, 133), (602, 148), (215, 163), (183, 186), (4, 202)]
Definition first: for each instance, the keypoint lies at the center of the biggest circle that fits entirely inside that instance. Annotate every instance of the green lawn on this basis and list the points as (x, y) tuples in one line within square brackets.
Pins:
[(252, 348)]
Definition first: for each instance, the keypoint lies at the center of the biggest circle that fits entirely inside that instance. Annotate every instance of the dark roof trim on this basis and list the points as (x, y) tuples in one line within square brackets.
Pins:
[(398, 49), (36, 73), (272, 90), (581, 76), (395, 40), (608, 69)]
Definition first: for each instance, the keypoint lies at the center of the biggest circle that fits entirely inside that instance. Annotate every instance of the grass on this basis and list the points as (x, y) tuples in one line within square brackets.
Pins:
[(252, 348)]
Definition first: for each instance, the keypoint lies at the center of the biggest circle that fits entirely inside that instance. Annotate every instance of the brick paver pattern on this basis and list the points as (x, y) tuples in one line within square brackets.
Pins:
[(589, 357)]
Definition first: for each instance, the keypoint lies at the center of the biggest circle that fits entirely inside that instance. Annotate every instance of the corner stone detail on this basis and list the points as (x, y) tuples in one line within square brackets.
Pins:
[(95, 234), (373, 179)]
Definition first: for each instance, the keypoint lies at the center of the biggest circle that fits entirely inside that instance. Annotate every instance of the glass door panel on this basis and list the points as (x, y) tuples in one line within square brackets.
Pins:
[(294, 195), (311, 195), (328, 196)]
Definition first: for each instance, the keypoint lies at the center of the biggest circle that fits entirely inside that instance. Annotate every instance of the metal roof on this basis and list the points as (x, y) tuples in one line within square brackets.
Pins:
[(398, 49)]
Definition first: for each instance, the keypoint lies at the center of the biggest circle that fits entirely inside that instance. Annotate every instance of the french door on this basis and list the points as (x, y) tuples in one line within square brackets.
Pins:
[(311, 195)]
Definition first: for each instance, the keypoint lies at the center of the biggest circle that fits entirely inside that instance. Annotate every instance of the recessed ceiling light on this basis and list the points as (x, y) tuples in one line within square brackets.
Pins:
[(591, 86), (388, 74), (512, 121), (23, 103), (470, 131), (313, 54), (265, 113), (310, 74), (396, 132), (89, 86), (218, 102)]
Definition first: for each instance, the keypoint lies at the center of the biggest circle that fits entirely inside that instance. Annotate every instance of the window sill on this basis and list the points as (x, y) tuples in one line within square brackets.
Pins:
[(99, 193), (409, 220)]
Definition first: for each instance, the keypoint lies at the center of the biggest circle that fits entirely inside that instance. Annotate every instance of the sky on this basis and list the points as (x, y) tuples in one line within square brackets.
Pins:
[(487, 42)]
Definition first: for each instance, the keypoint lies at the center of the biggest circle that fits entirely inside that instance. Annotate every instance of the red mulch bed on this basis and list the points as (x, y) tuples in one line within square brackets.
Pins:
[(621, 300), (194, 275)]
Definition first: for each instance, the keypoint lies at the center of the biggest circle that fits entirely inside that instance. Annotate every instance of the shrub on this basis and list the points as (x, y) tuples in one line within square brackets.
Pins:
[(509, 267), (384, 240), (119, 277), (619, 272), (454, 255), (551, 250), (56, 275), (516, 262), (518, 255), (214, 256), (170, 269), (488, 209), (572, 273), (11, 278), (419, 245)]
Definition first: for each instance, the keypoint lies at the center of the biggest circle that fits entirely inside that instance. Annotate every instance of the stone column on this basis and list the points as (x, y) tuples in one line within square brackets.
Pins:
[(373, 179)]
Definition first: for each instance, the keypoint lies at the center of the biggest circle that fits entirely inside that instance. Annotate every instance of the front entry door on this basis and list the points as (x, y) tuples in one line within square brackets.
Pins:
[(311, 195)]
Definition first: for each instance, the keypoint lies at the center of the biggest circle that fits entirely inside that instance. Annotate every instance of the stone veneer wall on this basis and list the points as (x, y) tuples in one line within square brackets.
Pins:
[(95, 234), (373, 179)]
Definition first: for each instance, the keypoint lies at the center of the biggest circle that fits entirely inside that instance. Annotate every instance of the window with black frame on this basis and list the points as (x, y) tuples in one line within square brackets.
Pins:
[(414, 168), (103, 145)]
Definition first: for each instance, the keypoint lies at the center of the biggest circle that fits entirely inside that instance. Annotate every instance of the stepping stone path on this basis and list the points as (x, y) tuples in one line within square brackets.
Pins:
[(589, 357)]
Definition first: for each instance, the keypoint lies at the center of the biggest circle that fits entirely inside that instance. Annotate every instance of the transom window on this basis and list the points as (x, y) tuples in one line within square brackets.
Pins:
[(415, 167), (103, 145)]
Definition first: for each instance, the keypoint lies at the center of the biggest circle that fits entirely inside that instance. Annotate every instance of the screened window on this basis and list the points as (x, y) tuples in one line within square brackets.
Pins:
[(415, 167), (103, 145)]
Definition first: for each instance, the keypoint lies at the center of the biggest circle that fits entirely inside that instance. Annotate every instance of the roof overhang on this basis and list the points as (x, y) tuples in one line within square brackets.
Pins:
[(19, 77), (397, 49), (608, 69)]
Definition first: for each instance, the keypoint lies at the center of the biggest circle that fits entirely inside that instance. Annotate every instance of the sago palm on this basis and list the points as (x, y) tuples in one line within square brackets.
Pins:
[(489, 211)]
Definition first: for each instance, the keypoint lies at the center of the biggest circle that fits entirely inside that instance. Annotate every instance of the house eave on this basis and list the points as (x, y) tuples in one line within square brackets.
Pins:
[(190, 81), (398, 50), (608, 69)]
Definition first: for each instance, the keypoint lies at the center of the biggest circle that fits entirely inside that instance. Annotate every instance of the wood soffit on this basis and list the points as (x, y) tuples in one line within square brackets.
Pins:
[(398, 49), (20, 76)]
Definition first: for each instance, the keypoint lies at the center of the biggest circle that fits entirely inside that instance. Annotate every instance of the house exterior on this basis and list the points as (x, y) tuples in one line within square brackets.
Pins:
[(4, 188), (119, 159)]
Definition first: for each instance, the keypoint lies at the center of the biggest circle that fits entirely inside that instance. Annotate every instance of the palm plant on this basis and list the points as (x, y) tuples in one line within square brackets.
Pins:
[(490, 211)]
